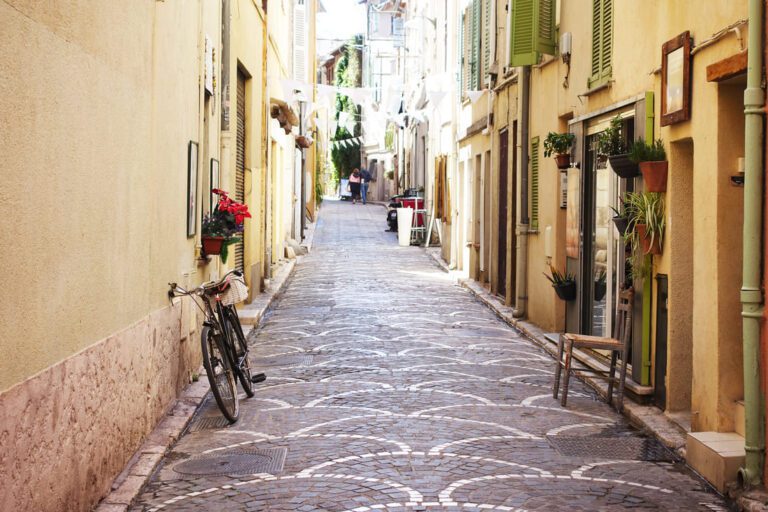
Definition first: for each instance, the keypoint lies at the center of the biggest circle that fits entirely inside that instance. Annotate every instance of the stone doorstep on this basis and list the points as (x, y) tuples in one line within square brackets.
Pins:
[(140, 467), (717, 456)]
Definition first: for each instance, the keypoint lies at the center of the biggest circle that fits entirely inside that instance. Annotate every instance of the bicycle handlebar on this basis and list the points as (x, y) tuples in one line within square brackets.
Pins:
[(178, 291)]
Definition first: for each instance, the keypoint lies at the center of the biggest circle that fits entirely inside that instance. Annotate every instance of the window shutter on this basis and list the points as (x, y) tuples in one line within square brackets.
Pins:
[(533, 31), (466, 50), (486, 42), (602, 42), (475, 57), (534, 183), (299, 42)]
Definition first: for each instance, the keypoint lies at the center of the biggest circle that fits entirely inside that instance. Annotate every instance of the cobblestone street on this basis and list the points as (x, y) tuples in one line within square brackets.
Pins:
[(391, 388)]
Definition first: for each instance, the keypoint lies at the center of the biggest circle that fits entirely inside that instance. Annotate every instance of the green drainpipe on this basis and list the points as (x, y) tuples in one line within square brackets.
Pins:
[(751, 294)]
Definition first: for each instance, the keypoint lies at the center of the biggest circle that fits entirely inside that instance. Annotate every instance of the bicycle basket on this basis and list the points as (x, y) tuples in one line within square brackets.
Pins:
[(237, 291)]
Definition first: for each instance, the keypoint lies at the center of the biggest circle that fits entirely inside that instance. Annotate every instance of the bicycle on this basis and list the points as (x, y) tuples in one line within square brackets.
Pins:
[(225, 350)]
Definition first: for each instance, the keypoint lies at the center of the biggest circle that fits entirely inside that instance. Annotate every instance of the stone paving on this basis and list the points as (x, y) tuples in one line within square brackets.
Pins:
[(390, 388)]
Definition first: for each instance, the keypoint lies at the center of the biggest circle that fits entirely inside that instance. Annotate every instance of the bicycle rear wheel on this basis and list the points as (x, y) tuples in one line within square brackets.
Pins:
[(241, 363), (220, 374)]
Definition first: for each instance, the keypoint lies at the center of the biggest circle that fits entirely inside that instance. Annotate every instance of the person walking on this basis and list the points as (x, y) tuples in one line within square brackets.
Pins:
[(354, 184), (364, 184)]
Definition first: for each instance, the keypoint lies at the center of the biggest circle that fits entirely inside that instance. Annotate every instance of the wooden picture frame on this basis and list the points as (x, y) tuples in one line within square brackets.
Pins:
[(214, 183), (192, 153), (676, 79)]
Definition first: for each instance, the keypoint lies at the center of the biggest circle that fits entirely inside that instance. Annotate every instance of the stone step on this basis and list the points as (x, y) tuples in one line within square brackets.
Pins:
[(717, 456)]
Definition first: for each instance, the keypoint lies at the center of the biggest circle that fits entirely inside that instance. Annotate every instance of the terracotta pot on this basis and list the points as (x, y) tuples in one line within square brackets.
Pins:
[(646, 241), (623, 166), (655, 175), (563, 160), (566, 291), (212, 245)]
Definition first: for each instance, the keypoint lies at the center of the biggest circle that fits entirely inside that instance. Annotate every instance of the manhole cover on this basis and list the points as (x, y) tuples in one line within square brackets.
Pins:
[(241, 462), (211, 423), (300, 360), (622, 448)]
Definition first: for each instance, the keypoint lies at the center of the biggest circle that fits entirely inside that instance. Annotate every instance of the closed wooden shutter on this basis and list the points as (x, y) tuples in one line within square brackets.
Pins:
[(487, 21), (602, 42), (534, 183), (300, 41), (475, 56), (240, 165), (466, 50), (532, 31)]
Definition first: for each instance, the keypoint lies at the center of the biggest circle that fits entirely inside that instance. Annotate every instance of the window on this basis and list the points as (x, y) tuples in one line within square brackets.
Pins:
[(532, 31), (470, 47), (602, 43), (535, 184)]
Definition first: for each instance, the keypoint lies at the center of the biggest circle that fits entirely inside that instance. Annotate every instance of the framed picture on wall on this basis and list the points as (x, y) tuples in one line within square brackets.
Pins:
[(191, 189), (214, 182), (676, 80)]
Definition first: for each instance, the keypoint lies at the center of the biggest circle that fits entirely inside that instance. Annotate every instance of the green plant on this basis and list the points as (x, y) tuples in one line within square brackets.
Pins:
[(558, 143), (390, 175), (558, 278), (641, 151), (646, 208), (611, 141)]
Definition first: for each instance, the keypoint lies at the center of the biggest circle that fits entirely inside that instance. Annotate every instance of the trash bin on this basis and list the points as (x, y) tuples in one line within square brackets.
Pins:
[(404, 218)]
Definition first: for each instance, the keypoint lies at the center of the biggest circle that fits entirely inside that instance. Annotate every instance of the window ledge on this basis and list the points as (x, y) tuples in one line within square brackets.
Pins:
[(597, 88)]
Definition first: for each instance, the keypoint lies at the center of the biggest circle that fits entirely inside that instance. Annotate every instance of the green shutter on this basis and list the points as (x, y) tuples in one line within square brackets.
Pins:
[(602, 42), (533, 31), (462, 61), (475, 57), (486, 44), (535, 183)]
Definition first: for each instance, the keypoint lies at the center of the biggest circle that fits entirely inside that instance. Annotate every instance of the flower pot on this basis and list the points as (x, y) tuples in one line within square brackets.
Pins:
[(655, 175), (563, 160), (623, 166), (621, 224), (646, 241), (566, 291), (212, 245), (599, 290)]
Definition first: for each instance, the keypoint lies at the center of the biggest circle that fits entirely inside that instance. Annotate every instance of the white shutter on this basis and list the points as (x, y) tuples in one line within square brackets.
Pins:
[(299, 42)]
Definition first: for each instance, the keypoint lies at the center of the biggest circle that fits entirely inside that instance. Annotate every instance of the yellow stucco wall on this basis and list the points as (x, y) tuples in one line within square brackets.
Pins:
[(95, 170)]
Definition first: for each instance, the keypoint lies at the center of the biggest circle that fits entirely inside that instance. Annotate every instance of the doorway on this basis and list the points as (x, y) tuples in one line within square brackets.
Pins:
[(501, 248)]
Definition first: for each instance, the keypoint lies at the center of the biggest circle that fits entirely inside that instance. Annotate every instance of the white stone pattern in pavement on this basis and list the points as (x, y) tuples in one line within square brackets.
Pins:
[(391, 388)]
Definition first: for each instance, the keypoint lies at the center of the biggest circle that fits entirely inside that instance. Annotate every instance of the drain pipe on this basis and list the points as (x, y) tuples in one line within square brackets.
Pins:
[(751, 293), (521, 270)]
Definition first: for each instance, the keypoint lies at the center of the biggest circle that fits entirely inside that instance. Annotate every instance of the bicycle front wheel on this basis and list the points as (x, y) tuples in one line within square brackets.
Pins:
[(220, 374), (240, 354)]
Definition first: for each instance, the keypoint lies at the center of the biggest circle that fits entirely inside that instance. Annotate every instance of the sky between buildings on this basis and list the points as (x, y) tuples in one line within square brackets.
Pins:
[(342, 20)]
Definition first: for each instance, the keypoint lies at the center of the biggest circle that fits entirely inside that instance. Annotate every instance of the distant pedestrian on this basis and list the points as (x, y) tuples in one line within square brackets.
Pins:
[(364, 184), (354, 184)]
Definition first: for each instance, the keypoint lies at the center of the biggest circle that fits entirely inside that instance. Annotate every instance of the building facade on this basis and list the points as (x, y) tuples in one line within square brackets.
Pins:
[(121, 131)]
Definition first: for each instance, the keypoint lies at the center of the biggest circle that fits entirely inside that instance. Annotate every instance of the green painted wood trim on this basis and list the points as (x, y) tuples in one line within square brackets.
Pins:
[(648, 288)]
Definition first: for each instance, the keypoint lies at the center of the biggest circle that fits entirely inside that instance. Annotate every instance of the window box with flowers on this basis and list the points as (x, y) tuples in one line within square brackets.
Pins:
[(224, 226)]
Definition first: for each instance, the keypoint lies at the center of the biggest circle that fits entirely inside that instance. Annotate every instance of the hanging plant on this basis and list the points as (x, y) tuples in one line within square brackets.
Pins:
[(559, 144), (652, 160)]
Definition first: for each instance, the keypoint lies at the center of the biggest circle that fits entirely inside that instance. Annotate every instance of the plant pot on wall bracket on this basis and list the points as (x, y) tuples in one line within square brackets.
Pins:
[(212, 245), (566, 291), (563, 160), (655, 175), (621, 224), (645, 240), (623, 166)]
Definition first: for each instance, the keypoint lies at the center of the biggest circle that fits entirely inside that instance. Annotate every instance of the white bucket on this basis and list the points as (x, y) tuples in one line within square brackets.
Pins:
[(404, 219)]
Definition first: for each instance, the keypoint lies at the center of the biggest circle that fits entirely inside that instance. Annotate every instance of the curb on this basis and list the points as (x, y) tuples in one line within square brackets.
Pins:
[(142, 465)]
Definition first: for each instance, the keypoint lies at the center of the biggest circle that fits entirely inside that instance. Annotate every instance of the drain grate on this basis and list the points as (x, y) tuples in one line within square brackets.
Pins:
[(622, 448), (209, 423), (300, 360), (246, 461)]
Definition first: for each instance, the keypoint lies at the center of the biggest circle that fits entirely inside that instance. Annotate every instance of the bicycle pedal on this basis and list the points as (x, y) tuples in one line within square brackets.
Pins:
[(261, 377)]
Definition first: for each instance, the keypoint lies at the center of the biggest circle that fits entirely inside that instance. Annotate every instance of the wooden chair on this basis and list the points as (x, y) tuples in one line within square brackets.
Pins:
[(618, 344)]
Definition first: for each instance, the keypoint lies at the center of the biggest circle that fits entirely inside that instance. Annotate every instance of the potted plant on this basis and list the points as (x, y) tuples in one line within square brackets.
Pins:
[(600, 288), (652, 160), (559, 144), (563, 283), (621, 217), (646, 221), (223, 226), (611, 144)]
